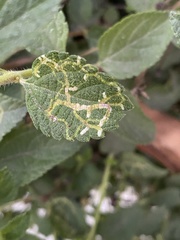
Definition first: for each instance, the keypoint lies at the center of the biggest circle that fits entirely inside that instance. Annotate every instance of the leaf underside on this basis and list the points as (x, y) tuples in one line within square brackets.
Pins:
[(68, 98)]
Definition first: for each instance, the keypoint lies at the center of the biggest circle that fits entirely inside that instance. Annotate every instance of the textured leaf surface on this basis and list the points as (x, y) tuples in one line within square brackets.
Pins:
[(7, 188), (138, 6), (11, 112), (21, 21), (134, 129), (28, 154), (174, 18), (68, 218), (67, 97), (53, 36), (15, 228), (137, 166), (133, 44)]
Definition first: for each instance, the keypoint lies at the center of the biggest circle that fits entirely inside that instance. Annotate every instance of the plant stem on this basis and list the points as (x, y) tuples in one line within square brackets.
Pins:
[(103, 188), (8, 77)]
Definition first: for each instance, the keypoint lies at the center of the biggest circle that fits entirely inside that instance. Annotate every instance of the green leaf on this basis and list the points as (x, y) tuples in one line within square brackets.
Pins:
[(174, 17), (169, 197), (137, 166), (172, 230), (28, 154), (173, 181), (132, 45), (21, 22), (163, 96), (80, 12), (15, 228), (67, 218), (87, 178), (68, 98), (147, 5), (111, 15), (153, 221), (134, 129), (121, 225), (8, 190), (11, 112), (14, 91), (54, 36)]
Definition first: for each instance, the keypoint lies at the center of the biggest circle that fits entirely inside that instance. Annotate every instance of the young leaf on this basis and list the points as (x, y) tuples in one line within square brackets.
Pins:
[(147, 5), (16, 228), (54, 36), (174, 18), (134, 44), (7, 188), (11, 112), (67, 218), (21, 22), (28, 154), (68, 98)]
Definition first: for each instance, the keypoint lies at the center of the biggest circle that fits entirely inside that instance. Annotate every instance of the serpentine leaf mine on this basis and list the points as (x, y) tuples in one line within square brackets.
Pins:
[(174, 17), (68, 98)]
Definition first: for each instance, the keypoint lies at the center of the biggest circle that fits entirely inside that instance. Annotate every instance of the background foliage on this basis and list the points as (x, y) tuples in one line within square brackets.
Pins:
[(108, 189)]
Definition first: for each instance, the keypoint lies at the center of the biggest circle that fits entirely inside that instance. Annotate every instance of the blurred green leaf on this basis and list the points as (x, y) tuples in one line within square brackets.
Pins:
[(152, 222), (87, 178), (21, 22), (43, 221), (80, 12), (94, 34), (122, 225), (53, 36), (11, 113), (168, 197), (163, 96), (138, 6), (139, 166), (174, 17), (172, 231), (15, 228), (111, 15), (170, 59), (67, 218), (173, 180), (135, 128), (8, 190), (132, 45), (28, 154), (14, 91)]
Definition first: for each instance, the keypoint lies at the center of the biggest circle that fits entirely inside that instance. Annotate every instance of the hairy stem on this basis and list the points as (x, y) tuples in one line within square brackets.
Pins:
[(8, 77), (103, 188)]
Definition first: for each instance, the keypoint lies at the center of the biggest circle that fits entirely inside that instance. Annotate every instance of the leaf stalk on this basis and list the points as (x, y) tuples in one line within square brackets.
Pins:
[(9, 77), (103, 189)]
